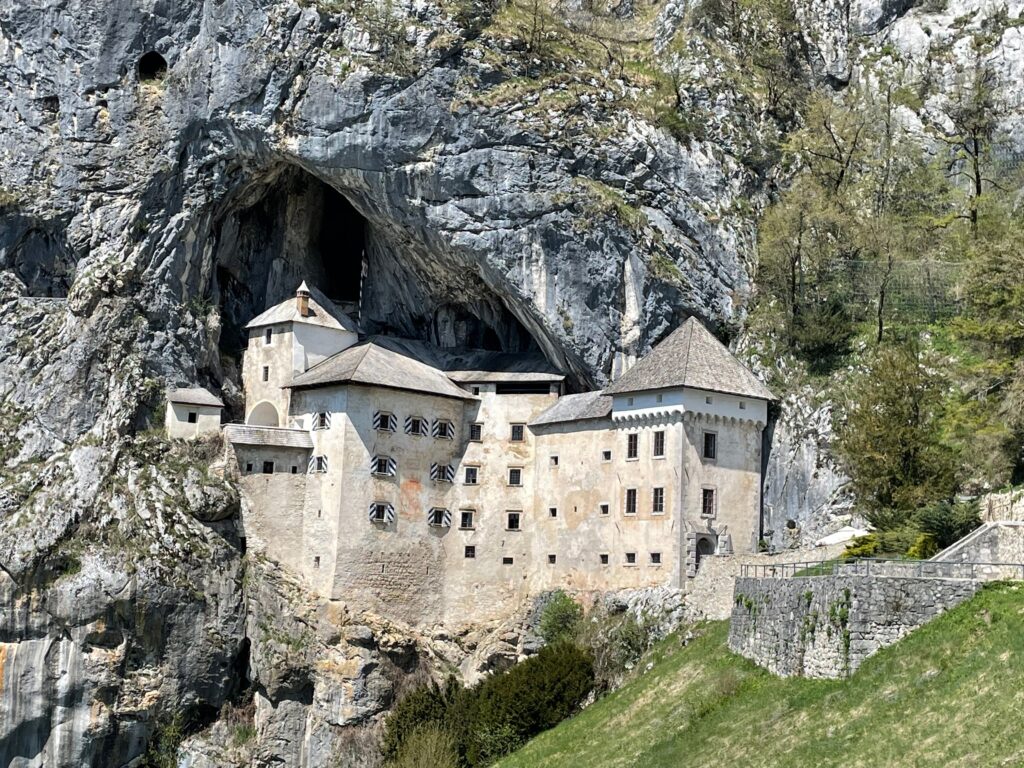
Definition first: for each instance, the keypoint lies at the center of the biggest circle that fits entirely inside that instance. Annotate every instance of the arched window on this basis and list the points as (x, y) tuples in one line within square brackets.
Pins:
[(264, 415)]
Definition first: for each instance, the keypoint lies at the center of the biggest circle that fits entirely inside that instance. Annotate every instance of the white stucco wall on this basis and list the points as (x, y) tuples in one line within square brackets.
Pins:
[(176, 421)]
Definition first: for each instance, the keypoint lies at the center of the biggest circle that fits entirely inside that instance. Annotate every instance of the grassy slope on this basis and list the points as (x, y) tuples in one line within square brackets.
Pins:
[(950, 694)]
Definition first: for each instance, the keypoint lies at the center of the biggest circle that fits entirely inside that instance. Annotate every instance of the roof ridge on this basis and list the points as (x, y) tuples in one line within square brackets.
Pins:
[(689, 346)]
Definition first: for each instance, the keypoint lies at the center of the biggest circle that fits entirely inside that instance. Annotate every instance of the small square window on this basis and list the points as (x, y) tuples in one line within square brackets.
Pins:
[(655, 558), (193, 417), (709, 400), (552, 511), (707, 502), (248, 467), (444, 429), (322, 420), (518, 433), (266, 373), (268, 467), (743, 406), (295, 470), (659, 397), (472, 475), (384, 421), (513, 521), (466, 519), (268, 336), (515, 476), (380, 512), (476, 433), (659, 444), (606, 455), (506, 561), (631, 558), (604, 559), (469, 552), (710, 445), (629, 401), (632, 445), (605, 509), (630, 501), (439, 518), (551, 559), (476, 390), (414, 425), (554, 461), (316, 562)]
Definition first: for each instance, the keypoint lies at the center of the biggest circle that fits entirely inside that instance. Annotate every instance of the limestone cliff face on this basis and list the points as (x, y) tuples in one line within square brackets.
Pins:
[(406, 161)]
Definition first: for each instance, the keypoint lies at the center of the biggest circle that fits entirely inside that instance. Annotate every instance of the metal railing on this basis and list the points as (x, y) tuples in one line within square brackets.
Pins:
[(891, 567)]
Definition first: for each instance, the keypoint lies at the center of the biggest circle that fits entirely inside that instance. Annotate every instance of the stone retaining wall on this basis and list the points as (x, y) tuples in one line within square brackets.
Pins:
[(825, 626)]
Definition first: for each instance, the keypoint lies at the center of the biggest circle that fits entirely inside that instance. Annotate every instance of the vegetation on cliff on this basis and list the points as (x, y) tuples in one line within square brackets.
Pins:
[(946, 695)]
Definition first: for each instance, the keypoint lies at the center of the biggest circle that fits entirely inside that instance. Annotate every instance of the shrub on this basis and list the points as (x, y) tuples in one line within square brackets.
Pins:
[(560, 618), (615, 642), (924, 547), (428, 746), (948, 522), (426, 705)]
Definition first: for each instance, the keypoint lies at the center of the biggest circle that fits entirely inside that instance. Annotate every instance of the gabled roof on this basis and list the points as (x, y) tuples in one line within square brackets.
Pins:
[(249, 434), (587, 405), (691, 357), (194, 396), (371, 364), (322, 312)]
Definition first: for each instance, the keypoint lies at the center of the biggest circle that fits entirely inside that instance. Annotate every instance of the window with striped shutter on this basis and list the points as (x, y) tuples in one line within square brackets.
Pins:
[(442, 473), (382, 512), (383, 465), (384, 421), (443, 429), (317, 464), (321, 420), (439, 518), (414, 425)]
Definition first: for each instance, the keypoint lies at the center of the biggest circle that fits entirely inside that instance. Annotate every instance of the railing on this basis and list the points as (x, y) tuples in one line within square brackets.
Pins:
[(877, 566)]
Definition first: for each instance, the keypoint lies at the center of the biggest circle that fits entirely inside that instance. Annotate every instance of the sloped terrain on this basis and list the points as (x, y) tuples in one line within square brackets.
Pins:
[(949, 694)]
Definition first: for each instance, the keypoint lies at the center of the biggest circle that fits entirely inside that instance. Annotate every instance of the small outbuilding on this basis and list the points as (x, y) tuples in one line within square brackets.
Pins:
[(192, 413)]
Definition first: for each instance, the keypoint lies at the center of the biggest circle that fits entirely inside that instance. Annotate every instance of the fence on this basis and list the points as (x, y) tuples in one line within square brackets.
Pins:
[(885, 567)]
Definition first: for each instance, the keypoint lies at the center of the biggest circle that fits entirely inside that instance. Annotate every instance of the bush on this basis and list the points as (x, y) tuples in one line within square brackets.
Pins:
[(560, 618), (616, 642), (948, 522), (428, 746), (427, 705), (924, 547)]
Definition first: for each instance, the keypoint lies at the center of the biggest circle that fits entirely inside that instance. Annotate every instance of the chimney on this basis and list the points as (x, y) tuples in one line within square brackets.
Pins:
[(302, 300)]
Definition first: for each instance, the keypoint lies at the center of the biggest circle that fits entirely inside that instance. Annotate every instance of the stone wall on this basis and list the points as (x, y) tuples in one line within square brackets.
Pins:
[(826, 626), (997, 547)]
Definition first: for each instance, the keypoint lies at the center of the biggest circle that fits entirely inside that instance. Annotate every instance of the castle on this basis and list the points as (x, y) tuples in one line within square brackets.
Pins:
[(441, 485)]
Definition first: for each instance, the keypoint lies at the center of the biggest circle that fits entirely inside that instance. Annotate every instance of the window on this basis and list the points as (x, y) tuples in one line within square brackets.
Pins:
[(743, 406), (443, 429), (606, 455), (658, 501), (466, 519), (268, 336), (604, 508), (513, 521), (385, 466), (248, 466), (659, 444), (268, 467), (414, 425), (551, 559), (604, 559), (476, 433), (631, 501), (322, 420), (710, 445), (381, 512), (515, 476), (438, 517), (317, 464), (552, 511), (659, 397), (442, 473), (506, 561), (629, 401), (553, 461), (472, 475), (384, 421), (316, 562), (631, 558), (518, 433), (469, 552), (193, 417), (476, 391), (709, 400), (295, 470), (655, 558), (707, 504), (632, 445), (266, 373)]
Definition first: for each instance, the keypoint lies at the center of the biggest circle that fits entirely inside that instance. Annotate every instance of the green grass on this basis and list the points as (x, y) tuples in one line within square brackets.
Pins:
[(950, 694)]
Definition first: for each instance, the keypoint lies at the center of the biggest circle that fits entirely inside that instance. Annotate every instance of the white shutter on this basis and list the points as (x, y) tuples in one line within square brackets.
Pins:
[(373, 465), (376, 420), (408, 425), (312, 464), (435, 428), (392, 466), (392, 422), (433, 471), (373, 512), (327, 420), (447, 518), (449, 473), (389, 514)]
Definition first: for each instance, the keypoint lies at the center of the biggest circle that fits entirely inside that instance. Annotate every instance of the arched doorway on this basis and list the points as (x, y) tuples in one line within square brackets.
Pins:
[(264, 414), (705, 546)]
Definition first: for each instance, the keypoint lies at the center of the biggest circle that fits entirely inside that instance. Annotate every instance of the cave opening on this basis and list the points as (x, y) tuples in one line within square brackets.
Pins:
[(152, 66)]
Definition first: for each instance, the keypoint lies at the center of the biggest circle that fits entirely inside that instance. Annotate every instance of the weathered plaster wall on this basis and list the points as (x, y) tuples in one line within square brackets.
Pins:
[(277, 357), (177, 426), (826, 626)]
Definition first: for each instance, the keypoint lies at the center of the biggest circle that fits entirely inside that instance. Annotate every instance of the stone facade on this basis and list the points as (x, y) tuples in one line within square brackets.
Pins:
[(826, 626)]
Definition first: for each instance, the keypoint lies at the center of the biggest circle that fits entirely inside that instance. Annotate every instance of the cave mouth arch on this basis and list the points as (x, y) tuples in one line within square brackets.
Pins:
[(152, 66)]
